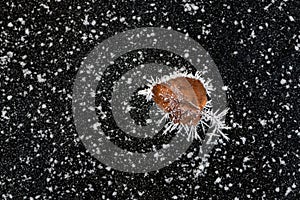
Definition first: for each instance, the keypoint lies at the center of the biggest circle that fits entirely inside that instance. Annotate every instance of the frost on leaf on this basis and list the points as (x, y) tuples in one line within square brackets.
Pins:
[(185, 106)]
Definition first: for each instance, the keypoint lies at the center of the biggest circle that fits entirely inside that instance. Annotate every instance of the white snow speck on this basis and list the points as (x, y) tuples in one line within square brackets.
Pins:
[(9, 97), (291, 18), (122, 19), (40, 79), (225, 88), (283, 81), (190, 155), (288, 191), (218, 180)]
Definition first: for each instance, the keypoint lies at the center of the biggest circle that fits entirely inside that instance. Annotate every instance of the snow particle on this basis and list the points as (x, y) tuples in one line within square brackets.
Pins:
[(40, 79), (10, 24), (291, 18), (283, 81), (9, 97)]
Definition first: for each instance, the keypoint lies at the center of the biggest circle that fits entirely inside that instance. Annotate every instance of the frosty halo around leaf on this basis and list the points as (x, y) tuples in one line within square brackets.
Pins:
[(182, 97), (92, 133)]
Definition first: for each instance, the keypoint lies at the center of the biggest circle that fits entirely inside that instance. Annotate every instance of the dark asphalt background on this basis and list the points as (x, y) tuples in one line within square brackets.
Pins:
[(254, 46)]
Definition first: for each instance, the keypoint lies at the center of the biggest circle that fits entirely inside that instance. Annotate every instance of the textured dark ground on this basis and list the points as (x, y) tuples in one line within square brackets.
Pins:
[(255, 46)]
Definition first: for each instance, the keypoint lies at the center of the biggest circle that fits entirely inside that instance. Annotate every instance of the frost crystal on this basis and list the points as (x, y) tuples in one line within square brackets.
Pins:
[(209, 118)]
